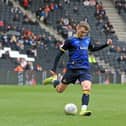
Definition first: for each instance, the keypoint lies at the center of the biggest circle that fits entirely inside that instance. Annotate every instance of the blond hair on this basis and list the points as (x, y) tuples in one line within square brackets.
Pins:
[(85, 25)]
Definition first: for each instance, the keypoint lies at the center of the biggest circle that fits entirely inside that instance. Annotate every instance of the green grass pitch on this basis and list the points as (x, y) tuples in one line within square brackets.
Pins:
[(43, 106)]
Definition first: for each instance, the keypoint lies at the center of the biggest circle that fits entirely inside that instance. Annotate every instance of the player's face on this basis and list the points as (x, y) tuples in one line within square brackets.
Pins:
[(81, 32)]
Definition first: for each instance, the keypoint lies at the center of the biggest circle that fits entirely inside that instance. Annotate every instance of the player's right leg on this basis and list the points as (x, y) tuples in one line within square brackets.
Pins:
[(61, 87), (50, 79), (67, 79)]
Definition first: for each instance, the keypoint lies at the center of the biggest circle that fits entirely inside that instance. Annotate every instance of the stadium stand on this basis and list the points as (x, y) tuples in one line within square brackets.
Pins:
[(25, 36), (22, 35), (120, 5)]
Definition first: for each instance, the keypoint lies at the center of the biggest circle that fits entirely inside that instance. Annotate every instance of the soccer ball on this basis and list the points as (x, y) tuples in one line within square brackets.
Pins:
[(70, 109)]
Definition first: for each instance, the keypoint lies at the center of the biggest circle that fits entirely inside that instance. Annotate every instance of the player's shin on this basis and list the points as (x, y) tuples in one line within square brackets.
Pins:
[(85, 100), (55, 83)]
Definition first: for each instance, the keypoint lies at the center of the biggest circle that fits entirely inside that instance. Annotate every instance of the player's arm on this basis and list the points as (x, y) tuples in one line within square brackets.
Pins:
[(57, 58), (99, 47), (59, 54)]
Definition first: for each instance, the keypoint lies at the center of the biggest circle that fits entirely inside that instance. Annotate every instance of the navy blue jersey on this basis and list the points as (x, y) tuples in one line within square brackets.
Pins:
[(78, 52)]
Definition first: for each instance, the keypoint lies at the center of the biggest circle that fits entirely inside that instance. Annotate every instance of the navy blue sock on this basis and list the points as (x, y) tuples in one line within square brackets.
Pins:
[(55, 83), (85, 99)]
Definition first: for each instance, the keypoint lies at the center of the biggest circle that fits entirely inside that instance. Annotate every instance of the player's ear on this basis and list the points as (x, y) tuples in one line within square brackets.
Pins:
[(77, 27), (86, 31)]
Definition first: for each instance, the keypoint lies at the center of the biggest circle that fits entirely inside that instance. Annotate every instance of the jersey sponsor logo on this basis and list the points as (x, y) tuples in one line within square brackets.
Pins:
[(84, 48)]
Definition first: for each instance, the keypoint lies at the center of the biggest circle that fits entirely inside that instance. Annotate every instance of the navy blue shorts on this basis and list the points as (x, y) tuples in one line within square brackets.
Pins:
[(72, 75)]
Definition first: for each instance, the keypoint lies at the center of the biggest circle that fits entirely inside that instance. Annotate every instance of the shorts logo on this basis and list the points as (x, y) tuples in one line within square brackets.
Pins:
[(64, 81)]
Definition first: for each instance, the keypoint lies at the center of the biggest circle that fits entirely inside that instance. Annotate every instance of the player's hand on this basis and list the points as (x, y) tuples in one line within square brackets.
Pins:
[(53, 72), (109, 42)]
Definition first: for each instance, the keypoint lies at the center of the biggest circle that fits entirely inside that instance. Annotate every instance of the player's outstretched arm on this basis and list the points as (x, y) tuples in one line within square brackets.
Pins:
[(99, 47), (109, 42)]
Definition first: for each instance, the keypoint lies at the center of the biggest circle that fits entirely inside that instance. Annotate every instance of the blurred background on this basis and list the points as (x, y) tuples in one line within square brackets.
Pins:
[(31, 31)]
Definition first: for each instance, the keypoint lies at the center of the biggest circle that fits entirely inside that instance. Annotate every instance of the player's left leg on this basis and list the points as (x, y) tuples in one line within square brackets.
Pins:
[(86, 87)]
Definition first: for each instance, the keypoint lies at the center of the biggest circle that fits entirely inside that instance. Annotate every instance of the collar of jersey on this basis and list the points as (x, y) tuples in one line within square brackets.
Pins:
[(75, 35)]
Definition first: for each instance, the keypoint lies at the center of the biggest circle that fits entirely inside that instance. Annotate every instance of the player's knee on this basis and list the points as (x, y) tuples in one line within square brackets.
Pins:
[(87, 89), (59, 89), (87, 86)]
